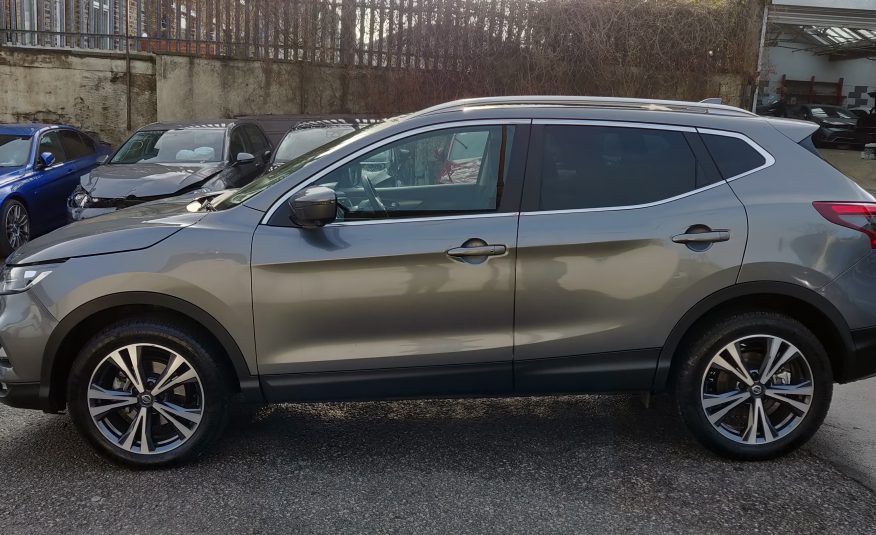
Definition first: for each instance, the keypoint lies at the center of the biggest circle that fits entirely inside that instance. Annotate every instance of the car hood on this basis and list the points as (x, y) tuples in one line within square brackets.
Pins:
[(145, 180), (130, 229), (8, 174)]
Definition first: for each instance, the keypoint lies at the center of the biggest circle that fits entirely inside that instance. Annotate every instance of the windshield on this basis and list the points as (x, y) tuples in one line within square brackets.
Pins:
[(14, 150), (267, 180), (299, 142), (191, 145), (830, 111)]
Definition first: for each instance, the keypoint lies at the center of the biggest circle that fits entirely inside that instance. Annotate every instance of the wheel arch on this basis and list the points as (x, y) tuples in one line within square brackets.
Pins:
[(805, 305), (86, 320)]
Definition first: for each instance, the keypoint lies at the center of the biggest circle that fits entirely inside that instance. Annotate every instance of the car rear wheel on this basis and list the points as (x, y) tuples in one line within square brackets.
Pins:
[(754, 386), (147, 393), (16, 227)]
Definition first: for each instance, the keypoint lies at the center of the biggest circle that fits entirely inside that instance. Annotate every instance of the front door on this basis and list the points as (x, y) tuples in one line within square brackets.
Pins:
[(624, 228), (411, 291)]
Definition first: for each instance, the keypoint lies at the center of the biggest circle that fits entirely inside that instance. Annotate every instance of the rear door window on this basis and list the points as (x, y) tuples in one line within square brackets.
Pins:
[(606, 166), (73, 145), (732, 155)]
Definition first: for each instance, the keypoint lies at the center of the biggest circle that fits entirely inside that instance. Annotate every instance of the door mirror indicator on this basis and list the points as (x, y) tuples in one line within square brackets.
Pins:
[(314, 207), (46, 160), (244, 158)]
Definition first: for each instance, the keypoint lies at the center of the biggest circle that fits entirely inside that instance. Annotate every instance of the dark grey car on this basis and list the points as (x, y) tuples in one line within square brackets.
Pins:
[(518, 246), (164, 160)]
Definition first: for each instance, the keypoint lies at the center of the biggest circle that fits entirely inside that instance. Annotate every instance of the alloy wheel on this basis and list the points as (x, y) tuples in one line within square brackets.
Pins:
[(757, 389), (17, 226), (146, 399)]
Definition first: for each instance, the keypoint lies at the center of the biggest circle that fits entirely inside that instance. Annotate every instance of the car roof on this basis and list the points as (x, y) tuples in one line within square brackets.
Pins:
[(218, 123), (28, 129)]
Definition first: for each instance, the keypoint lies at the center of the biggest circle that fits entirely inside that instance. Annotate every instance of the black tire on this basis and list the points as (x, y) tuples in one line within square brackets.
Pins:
[(13, 210), (201, 356), (691, 379)]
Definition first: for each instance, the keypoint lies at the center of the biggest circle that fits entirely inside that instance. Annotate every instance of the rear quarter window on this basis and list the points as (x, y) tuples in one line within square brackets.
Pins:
[(732, 155)]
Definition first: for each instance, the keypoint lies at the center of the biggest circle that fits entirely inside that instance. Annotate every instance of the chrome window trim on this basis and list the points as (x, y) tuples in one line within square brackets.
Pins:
[(374, 146), (420, 219), (769, 161)]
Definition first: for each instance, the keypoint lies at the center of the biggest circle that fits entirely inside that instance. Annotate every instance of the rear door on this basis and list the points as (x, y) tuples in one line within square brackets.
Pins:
[(412, 298), (624, 228)]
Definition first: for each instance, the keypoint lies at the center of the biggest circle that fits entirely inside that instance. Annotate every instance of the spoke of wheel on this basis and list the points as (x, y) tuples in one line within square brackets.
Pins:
[(758, 420), (716, 417), (739, 372), (101, 410), (713, 400), (779, 395), (172, 365), (96, 392), (131, 372), (786, 356), (189, 375), (171, 414), (126, 441), (773, 346)]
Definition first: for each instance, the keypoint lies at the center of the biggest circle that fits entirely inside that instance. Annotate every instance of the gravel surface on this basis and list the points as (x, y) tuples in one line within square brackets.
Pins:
[(559, 465)]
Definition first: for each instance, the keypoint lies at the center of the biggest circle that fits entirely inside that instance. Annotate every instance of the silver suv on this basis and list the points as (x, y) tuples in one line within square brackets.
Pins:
[(508, 246)]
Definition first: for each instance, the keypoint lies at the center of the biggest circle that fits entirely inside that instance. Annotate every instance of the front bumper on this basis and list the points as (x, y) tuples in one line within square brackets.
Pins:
[(20, 395), (78, 214), (25, 327)]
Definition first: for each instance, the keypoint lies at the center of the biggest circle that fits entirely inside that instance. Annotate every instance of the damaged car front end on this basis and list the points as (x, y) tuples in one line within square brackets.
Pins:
[(162, 161)]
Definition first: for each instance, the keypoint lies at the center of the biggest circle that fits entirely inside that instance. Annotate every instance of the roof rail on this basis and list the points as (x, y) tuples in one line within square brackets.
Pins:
[(596, 102)]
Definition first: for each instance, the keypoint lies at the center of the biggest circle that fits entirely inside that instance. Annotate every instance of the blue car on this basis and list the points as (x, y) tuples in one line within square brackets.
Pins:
[(40, 165)]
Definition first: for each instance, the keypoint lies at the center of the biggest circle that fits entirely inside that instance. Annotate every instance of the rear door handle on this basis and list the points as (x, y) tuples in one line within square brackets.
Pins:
[(480, 250), (711, 236)]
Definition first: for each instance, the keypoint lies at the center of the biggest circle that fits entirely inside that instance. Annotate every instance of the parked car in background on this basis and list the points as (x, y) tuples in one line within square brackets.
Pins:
[(164, 160), (40, 165), (836, 125), (601, 245), (310, 135)]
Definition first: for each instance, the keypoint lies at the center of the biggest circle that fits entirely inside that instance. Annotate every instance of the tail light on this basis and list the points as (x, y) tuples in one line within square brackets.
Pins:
[(860, 216)]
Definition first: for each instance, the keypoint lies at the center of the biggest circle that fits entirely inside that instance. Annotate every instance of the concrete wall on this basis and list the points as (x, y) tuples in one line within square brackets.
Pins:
[(86, 90), (89, 90)]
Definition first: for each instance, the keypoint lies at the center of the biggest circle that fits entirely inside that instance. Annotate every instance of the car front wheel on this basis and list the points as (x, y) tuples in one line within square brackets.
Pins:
[(16, 227), (148, 393), (754, 386)]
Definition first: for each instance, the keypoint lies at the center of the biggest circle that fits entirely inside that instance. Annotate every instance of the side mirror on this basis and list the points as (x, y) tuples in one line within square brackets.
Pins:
[(103, 159), (244, 158), (46, 159), (314, 207)]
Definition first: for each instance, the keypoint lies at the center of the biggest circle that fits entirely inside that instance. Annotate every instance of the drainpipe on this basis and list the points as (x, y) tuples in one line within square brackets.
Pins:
[(763, 29), (128, 67)]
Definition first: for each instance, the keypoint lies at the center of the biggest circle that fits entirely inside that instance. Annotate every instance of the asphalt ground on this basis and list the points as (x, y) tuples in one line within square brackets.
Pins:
[(574, 464)]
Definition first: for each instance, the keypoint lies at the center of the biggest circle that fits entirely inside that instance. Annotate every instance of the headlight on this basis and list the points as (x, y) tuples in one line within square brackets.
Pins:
[(79, 198), (18, 279)]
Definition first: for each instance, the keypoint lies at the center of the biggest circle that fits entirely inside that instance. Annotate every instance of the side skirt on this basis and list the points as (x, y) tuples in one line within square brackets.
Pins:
[(603, 372)]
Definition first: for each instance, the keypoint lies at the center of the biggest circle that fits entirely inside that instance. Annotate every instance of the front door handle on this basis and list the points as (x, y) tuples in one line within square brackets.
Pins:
[(479, 250), (475, 251), (702, 237)]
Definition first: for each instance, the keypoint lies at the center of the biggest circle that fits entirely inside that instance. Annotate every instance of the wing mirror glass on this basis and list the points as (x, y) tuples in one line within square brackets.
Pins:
[(314, 207), (244, 158), (46, 159)]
